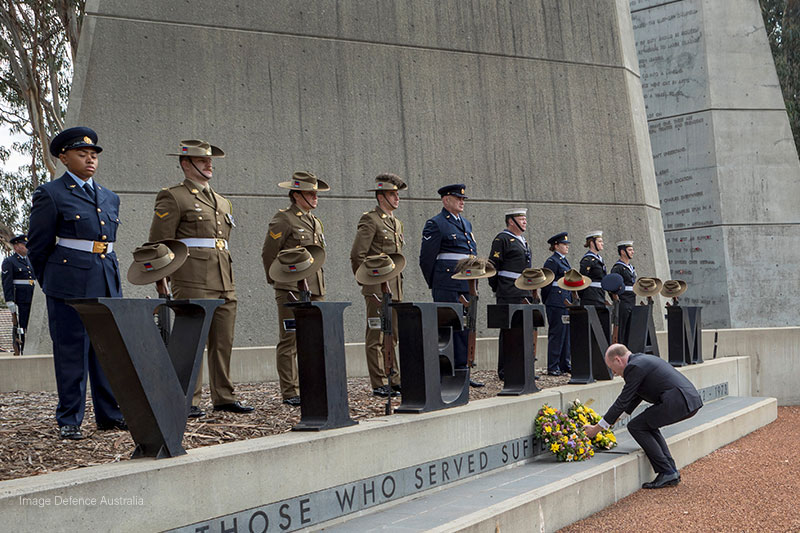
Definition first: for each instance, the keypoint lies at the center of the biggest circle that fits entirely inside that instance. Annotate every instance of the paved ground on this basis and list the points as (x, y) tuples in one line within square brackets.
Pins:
[(751, 485)]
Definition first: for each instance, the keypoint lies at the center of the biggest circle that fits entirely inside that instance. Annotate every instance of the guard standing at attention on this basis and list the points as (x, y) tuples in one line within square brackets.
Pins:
[(379, 231), (555, 300), (291, 227), (627, 299), (446, 239), (72, 229), (193, 213), (594, 268), (510, 255), (18, 285)]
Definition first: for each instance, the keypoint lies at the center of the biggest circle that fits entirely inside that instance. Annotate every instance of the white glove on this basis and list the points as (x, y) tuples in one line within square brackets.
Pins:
[(12, 307)]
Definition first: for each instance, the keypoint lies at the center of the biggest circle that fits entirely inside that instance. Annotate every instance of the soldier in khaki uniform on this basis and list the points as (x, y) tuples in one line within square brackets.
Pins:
[(202, 219), (379, 231), (291, 227)]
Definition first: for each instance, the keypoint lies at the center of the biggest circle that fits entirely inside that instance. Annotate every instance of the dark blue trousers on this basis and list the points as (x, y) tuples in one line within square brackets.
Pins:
[(558, 356), (460, 338), (74, 359)]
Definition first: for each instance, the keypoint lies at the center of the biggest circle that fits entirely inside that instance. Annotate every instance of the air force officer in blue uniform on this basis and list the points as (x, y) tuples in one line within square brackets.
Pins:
[(558, 356), (18, 283), (73, 226), (446, 239)]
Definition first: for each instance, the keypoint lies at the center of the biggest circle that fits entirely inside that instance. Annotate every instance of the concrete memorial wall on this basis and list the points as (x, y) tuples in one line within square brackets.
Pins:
[(533, 103), (725, 160)]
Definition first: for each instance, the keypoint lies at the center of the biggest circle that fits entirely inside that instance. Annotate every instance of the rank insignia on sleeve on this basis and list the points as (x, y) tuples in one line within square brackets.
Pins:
[(275, 235), (162, 215), (497, 255)]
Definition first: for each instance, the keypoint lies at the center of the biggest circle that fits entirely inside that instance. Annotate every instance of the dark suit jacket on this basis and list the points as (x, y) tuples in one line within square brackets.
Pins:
[(647, 377), (443, 234), (62, 209)]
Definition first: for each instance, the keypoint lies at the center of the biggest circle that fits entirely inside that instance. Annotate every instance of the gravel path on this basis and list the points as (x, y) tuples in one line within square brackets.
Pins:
[(750, 485)]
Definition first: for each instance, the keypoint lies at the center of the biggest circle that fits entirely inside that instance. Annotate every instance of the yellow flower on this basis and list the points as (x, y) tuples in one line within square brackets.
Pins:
[(564, 439), (548, 429), (580, 451), (554, 447)]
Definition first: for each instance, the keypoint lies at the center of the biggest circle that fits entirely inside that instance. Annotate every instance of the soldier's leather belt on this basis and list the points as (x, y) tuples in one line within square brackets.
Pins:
[(451, 257), (508, 274), (23, 282), (95, 247), (220, 244)]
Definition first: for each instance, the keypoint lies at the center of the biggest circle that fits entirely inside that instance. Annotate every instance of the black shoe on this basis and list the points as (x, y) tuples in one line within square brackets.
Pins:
[(554, 373), (235, 407), (294, 401), (475, 384), (384, 391), (196, 412), (71, 432), (663, 480), (114, 424), (396, 388)]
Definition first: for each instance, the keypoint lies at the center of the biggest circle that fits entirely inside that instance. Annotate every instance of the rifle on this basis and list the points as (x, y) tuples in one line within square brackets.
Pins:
[(388, 341), (17, 335), (615, 319), (305, 292), (162, 315), (535, 331), (472, 319)]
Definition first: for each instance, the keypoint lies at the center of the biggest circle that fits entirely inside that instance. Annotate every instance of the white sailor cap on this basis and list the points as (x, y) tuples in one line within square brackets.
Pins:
[(516, 211), (595, 233), (624, 243)]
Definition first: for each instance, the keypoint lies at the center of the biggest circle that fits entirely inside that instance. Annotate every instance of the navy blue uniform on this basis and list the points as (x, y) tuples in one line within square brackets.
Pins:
[(627, 299), (62, 209), (18, 285), (443, 234), (594, 268), (553, 296)]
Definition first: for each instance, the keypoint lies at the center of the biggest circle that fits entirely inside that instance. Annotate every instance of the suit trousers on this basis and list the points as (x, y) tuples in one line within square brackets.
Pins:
[(220, 344), (373, 346), (460, 338), (286, 350), (558, 349), (644, 429), (74, 359)]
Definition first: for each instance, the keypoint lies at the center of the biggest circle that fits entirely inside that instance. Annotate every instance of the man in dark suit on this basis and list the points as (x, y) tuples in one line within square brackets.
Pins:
[(446, 239), (18, 284), (73, 226), (674, 398), (553, 296)]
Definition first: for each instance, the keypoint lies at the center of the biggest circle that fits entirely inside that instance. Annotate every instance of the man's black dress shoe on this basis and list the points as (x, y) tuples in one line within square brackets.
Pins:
[(113, 424), (294, 401), (196, 412), (475, 384), (384, 391), (554, 373), (235, 407), (663, 480), (396, 388), (71, 432)]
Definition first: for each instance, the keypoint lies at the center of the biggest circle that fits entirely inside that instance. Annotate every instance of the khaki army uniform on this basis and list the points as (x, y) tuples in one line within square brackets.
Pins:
[(378, 233), (188, 212), (289, 228)]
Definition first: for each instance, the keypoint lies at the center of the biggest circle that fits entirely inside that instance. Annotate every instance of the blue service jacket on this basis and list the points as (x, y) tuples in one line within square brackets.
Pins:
[(553, 295), (443, 234), (16, 267), (62, 209)]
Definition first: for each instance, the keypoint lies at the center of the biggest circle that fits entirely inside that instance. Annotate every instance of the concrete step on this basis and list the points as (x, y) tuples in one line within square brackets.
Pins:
[(544, 495)]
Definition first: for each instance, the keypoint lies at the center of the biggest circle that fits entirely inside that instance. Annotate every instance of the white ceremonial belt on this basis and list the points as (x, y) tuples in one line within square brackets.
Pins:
[(23, 282), (95, 247), (596, 284), (222, 244), (508, 274), (555, 284), (629, 288), (451, 257)]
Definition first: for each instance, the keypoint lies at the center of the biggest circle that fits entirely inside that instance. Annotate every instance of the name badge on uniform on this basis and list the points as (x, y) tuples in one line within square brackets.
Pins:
[(374, 322), (230, 219), (289, 324), (565, 319)]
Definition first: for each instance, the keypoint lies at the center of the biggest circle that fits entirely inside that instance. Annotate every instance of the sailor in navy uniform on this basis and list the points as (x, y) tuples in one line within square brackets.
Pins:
[(558, 355), (18, 283), (593, 267), (73, 226), (446, 239), (627, 299), (510, 255)]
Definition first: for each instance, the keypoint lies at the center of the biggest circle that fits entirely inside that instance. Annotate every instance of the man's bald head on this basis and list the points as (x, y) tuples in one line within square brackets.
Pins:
[(617, 358)]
